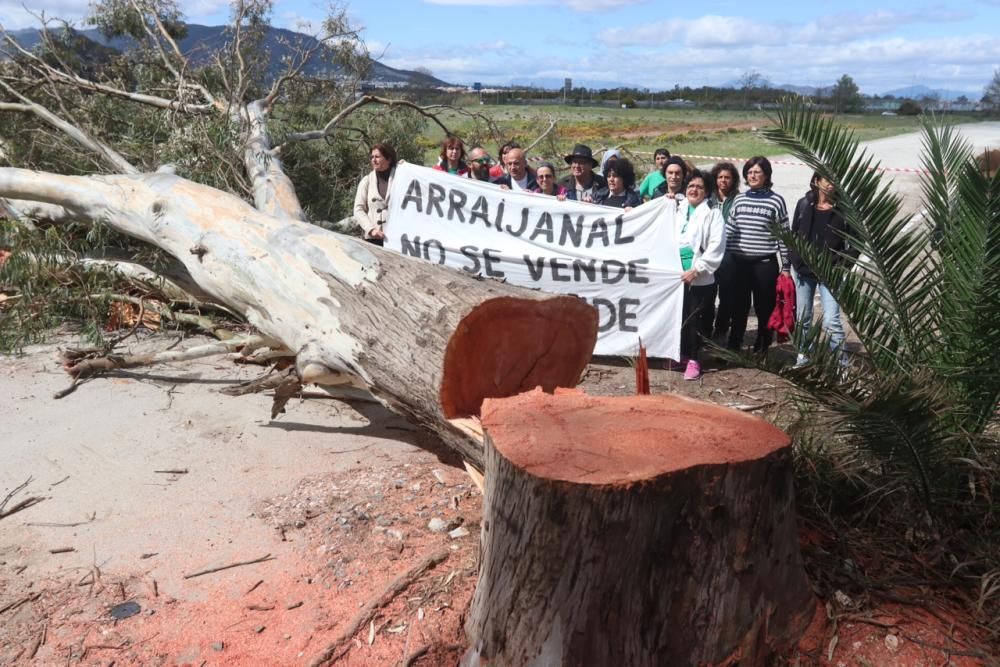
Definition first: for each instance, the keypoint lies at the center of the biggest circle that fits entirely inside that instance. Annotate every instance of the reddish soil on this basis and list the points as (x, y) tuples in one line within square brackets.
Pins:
[(356, 531)]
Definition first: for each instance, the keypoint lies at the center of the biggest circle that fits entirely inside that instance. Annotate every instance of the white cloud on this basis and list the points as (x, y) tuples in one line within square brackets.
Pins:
[(297, 22), (576, 5), (721, 31), (599, 5), (486, 3), (496, 46), (648, 34), (705, 31), (963, 63), (14, 16), (376, 49)]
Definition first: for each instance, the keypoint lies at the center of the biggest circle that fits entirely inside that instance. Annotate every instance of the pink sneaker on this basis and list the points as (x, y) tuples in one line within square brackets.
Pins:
[(693, 371)]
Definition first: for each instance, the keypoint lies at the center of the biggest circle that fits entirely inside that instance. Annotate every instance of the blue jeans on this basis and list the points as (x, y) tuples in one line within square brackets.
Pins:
[(805, 290)]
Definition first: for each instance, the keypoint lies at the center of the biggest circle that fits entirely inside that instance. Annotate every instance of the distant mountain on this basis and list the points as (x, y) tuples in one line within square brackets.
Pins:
[(805, 91), (202, 43), (919, 91), (554, 83)]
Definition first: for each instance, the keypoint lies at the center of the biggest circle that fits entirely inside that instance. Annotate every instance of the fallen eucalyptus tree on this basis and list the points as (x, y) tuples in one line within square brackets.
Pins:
[(430, 343)]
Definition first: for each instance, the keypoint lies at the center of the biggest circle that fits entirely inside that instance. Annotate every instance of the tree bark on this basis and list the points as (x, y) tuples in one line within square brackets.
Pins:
[(430, 343), (645, 530)]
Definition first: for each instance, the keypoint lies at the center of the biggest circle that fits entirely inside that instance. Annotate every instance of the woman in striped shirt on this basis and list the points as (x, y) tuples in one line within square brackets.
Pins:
[(754, 251)]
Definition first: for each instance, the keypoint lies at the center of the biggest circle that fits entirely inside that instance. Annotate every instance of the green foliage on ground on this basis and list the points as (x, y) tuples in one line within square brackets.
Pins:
[(48, 287), (901, 450), (638, 132), (924, 299)]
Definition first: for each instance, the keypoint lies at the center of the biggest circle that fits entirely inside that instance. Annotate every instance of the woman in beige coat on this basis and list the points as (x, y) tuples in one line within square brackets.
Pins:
[(371, 203)]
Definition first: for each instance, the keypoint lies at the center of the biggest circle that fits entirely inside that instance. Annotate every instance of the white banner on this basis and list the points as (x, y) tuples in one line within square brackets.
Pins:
[(626, 264)]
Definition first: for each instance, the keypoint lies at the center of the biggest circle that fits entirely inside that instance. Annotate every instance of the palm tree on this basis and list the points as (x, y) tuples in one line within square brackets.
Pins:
[(923, 298)]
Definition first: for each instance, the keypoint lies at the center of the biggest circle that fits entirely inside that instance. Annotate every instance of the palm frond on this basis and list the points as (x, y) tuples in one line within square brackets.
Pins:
[(886, 301), (923, 297)]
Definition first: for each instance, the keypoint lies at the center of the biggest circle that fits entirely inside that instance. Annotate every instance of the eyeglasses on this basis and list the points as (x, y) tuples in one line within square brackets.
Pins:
[(544, 177), (695, 186), (482, 160)]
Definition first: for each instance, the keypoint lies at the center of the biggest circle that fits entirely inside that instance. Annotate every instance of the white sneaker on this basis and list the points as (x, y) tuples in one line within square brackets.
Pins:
[(801, 360)]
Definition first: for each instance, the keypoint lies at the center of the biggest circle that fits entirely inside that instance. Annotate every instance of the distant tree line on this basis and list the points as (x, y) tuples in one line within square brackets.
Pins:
[(752, 92)]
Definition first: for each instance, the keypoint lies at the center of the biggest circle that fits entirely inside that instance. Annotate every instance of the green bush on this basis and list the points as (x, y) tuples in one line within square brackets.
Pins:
[(924, 299)]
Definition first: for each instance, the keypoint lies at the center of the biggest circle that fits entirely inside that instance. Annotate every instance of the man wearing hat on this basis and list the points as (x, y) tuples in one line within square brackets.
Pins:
[(583, 184)]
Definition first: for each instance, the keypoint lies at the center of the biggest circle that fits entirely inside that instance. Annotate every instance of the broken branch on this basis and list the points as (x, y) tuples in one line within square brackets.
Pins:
[(231, 565), (395, 587), (111, 362), (22, 505)]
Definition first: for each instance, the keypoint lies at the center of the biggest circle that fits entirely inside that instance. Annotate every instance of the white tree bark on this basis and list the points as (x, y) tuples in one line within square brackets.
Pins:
[(430, 343), (273, 191)]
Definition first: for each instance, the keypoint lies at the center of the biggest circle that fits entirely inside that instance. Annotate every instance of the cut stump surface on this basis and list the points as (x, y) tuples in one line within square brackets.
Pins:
[(644, 530)]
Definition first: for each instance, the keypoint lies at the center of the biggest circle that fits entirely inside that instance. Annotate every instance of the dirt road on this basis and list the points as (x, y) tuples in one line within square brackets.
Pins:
[(899, 155)]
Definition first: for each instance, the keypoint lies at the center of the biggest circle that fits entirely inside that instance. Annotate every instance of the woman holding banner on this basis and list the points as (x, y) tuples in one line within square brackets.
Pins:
[(545, 176), (701, 236), (371, 203), (621, 182)]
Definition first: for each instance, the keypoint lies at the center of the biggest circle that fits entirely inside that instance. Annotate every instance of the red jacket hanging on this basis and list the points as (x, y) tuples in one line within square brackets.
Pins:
[(782, 320)]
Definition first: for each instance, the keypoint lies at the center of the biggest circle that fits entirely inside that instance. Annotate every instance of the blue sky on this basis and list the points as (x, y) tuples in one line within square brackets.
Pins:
[(882, 45)]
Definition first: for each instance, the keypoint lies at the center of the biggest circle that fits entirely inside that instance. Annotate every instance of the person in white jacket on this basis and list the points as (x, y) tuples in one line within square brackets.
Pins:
[(701, 236), (371, 203)]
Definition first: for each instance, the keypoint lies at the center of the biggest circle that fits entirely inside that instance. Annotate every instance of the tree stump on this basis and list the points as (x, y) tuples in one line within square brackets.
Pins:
[(641, 530)]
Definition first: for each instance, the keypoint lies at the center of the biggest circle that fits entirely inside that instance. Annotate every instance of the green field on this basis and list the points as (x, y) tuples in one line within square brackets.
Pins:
[(639, 131)]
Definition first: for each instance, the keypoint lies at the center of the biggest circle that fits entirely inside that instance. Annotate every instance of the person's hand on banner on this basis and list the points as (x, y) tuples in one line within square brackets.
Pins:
[(377, 233), (688, 276)]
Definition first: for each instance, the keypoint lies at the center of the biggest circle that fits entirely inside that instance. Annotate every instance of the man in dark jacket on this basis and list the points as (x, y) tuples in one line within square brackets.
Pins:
[(518, 176), (583, 184)]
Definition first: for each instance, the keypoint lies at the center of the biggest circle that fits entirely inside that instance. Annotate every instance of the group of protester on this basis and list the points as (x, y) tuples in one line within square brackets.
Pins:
[(728, 250)]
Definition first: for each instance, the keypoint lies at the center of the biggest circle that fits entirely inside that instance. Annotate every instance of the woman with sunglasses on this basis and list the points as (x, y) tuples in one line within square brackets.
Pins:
[(545, 175)]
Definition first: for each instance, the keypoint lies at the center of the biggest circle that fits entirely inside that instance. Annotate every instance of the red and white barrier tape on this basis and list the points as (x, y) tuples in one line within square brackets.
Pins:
[(909, 170), (716, 158)]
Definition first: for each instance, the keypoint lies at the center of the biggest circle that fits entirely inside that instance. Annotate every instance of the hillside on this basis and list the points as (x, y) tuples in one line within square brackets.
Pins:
[(202, 43)]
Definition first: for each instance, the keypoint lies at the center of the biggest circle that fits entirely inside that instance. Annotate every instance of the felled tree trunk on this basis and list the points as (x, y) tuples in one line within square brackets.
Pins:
[(430, 343), (647, 530)]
